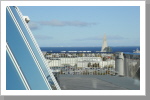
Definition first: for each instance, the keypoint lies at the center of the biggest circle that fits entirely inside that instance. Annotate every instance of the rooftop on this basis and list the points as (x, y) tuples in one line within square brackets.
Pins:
[(97, 82)]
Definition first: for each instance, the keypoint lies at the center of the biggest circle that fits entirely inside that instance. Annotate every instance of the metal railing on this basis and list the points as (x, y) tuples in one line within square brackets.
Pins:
[(132, 64)]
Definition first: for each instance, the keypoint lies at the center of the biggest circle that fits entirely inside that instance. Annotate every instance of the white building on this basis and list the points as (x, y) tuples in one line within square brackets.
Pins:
[(80, 62)]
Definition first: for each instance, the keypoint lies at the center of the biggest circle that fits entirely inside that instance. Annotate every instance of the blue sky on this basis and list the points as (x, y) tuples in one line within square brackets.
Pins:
[(84, 25)]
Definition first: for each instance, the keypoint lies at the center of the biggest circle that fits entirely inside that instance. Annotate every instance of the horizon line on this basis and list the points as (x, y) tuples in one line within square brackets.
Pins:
[(88, 46)]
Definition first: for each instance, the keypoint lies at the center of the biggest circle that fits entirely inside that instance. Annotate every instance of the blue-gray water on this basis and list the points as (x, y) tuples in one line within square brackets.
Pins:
[(114, 49)]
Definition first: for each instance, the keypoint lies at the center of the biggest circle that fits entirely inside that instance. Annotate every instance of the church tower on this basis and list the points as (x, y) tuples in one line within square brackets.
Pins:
[(104, 45)]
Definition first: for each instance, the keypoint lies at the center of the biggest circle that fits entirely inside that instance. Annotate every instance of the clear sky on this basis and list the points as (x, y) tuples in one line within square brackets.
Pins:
[(55, 26)]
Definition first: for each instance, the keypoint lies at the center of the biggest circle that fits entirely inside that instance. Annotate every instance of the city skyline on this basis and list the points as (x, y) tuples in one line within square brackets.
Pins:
[(56, 26)]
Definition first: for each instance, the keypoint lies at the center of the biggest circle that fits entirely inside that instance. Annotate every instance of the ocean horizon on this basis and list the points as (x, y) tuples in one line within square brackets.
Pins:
[(90, 48)]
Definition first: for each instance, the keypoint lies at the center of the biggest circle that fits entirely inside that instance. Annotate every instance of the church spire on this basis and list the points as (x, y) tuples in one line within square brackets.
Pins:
[(104, 45)]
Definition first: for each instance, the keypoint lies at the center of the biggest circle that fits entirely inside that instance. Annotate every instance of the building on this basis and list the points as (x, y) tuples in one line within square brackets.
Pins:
[(105, 48)]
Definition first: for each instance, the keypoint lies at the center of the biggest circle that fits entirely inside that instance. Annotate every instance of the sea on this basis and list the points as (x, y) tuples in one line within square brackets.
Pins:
[(92, 49)]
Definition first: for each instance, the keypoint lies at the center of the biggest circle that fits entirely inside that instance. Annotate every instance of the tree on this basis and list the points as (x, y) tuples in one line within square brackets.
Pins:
[(98, 65), (89, 64), (104, 58)]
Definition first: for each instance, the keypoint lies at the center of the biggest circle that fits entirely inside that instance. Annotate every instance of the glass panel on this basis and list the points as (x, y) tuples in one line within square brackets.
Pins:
[(23, 56), (33, 47), (13, 80)]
